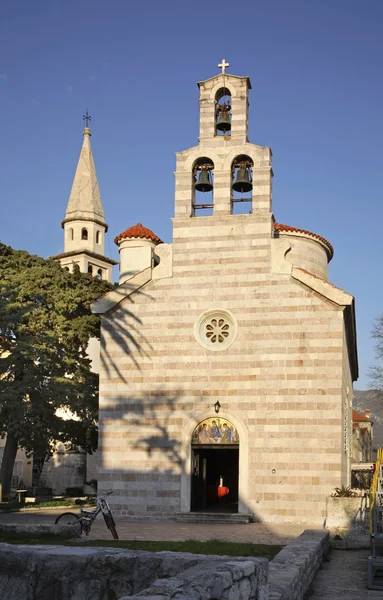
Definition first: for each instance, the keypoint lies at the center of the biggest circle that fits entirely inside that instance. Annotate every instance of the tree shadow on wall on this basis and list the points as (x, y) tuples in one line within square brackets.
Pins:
[(122, 330), (144, 458)]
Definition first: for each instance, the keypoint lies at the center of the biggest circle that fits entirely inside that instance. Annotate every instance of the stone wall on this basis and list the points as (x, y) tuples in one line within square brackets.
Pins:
[(67, 573), (235, 580), (75, 573), (279, 383), (292, 571), (348, 520)]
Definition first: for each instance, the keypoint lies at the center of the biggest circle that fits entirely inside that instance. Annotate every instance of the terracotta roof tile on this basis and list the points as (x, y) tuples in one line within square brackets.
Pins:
[(357, 416), (138, 231), (287, 228)]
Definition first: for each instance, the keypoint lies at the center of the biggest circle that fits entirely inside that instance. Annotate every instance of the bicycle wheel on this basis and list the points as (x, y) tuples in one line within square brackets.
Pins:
[(69, 519), (109, 522)]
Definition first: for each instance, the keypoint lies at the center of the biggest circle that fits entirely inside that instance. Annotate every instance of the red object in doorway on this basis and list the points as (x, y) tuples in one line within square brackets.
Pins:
[(215, 492), (222, 491)]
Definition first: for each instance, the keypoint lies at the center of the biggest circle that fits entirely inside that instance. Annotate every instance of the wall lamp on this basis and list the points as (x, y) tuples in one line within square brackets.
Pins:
[(217, 407)]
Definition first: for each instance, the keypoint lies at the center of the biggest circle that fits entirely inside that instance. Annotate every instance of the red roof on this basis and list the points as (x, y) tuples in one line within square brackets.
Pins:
[(357, 416), (138, 231), (281, 227)]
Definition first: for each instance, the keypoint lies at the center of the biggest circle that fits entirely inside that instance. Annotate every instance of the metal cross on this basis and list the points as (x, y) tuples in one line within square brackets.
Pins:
[(86, 118), (223, 65)]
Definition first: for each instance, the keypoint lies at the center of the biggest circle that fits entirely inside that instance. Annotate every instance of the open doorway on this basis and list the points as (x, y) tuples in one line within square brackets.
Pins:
[(215, 467)]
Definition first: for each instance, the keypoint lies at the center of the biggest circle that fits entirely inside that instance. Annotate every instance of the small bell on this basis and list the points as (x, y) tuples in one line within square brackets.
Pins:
[(204, 184), (242, 182), (224, 123)]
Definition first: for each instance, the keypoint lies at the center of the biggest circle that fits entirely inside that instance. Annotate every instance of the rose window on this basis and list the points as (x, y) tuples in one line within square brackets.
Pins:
[(215, 329)]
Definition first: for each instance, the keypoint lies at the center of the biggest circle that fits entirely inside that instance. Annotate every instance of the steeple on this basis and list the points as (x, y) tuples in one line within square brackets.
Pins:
[(85, 199), (84, 223)]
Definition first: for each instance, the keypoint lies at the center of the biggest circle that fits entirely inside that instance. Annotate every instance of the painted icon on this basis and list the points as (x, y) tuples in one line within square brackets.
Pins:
[(215, 431)]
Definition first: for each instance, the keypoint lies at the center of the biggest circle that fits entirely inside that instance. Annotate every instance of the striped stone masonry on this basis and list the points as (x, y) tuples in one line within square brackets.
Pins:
[(284, 382)]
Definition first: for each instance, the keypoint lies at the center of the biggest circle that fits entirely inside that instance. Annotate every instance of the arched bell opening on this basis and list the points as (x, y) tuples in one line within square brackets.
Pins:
[(203, 199), (223, 112), (242, 185), (215, 466)]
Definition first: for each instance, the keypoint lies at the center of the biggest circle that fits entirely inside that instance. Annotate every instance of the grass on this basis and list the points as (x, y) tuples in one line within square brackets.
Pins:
[(14, 505), (215, 547)]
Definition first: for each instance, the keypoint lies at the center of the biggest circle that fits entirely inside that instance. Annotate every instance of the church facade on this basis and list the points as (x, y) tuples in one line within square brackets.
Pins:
[(227, 358)]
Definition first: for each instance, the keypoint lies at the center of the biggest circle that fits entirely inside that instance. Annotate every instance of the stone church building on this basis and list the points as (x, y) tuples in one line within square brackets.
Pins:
[(227, 358)]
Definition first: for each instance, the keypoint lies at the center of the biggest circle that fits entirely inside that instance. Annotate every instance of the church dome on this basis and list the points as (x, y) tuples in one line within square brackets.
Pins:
[(138, 231), (288, 229), (307, 250)]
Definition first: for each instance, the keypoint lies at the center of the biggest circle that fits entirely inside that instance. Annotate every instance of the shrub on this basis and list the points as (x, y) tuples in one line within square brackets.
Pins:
[(344, 492)]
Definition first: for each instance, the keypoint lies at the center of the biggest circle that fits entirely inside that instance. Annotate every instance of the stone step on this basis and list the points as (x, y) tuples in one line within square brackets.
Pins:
[(206, 517)]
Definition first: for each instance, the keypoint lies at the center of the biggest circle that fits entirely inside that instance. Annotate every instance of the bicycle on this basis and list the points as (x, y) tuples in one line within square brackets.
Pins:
[(87, 517)]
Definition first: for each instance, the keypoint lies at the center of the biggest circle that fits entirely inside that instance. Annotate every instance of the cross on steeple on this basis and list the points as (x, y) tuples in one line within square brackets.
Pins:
[(86, 118), (223, 65)]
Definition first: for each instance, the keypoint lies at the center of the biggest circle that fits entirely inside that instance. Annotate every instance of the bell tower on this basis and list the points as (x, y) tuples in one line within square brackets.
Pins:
[(84, 222), (224, 175)]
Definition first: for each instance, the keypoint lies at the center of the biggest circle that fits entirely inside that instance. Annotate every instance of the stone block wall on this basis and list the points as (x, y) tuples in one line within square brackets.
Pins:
[(231, 580), (279, 383), (348, 520), (68, 573), (292, 571), (73, 573)]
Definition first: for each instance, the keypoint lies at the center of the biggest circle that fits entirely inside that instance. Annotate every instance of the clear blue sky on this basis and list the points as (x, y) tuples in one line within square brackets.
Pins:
[(316, 72)]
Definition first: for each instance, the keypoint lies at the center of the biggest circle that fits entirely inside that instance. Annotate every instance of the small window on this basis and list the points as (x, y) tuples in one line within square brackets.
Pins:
[(90, 269), (98, 237), (99, 273), (84, 234), (71, 233)]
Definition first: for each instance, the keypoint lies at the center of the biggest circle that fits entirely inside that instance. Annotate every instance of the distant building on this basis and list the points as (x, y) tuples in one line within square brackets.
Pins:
[(362, 436), (84, 245)]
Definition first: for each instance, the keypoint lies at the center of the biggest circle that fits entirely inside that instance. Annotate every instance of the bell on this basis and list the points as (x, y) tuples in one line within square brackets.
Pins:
[(224, 123), (242, 182), (203, 184)]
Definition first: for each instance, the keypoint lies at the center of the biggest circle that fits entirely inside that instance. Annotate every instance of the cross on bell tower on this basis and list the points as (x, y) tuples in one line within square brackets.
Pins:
[(223, 65)]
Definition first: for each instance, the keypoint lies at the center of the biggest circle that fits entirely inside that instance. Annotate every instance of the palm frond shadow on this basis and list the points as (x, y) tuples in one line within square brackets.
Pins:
[(125, 333)]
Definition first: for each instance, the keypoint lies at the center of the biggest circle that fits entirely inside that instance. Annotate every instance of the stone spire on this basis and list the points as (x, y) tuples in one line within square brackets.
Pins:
[(84, 223), (85, 201)]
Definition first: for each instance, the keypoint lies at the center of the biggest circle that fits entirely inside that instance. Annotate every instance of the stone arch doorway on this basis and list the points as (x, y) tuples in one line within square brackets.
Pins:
[(215, 466)]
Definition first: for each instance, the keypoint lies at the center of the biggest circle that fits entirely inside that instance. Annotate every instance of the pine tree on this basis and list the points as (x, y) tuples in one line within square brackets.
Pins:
[(45, 327)]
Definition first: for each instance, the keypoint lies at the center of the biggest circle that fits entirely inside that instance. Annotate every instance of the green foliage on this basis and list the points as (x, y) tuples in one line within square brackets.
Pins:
[(344, 492), (14, 506), (45, 326)]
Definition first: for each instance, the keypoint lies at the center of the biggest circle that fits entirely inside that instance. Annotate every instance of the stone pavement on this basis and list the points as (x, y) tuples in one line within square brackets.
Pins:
[(259, 533), (344, 576)]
